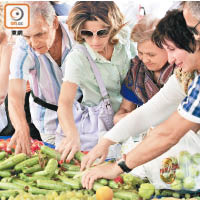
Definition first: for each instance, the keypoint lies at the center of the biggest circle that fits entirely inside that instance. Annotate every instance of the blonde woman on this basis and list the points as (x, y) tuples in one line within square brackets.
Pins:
[(99, 27), (148, 72)]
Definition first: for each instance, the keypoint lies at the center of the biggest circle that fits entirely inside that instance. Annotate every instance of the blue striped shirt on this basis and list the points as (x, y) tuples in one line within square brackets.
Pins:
[(45, 77), (190, 106)]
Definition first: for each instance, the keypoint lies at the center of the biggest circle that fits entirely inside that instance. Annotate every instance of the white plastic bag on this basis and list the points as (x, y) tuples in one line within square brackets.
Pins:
[(127, 146), (179, 167)]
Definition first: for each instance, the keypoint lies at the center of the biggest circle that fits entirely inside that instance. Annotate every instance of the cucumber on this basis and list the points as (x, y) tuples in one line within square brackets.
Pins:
[(71, 167), (8, 193), (12, 161), (50, 152), (74, 183), (52, 185), (71, 174), (126, 195), (30, 170), (5, 173), (10, 186), (26, 163)]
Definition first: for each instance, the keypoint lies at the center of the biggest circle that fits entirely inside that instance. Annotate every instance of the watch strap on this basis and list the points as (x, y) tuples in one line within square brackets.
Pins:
[(123, 166)]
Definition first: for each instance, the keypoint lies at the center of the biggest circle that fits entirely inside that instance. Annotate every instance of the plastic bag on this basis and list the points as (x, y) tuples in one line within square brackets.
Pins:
[(179, 167), (127, 146)]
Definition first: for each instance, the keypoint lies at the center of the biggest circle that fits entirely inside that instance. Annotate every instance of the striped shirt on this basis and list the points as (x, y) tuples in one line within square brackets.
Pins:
[(45, 77), (190, 106)]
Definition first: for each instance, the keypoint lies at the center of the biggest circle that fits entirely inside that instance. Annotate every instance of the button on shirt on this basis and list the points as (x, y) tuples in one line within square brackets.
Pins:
[(45, 77), (113, 72), (190, 106)]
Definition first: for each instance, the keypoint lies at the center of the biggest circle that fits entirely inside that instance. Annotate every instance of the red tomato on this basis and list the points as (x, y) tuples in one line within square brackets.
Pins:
[(3, 145), (119, 179), (8, 140), (60, 162)]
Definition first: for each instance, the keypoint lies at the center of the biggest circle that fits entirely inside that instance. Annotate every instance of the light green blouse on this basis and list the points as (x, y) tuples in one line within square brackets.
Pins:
[(78, 70)]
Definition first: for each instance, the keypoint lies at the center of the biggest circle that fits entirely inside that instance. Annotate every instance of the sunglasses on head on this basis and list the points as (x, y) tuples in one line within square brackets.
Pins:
[(193, 30), (100, 33)]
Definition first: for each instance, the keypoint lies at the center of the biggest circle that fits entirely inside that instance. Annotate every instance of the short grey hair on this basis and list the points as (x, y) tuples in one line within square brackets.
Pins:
[(194, 8), (43, 8)]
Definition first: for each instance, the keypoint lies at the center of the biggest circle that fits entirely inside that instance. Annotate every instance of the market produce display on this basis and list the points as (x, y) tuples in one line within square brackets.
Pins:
[(44, 176)]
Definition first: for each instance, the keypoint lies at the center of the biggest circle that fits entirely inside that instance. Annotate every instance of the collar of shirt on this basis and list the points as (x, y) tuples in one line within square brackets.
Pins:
[(66, 38), (124, 39)]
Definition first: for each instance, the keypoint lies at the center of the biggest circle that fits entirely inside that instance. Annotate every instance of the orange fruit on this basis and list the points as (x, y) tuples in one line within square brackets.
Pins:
[(104, 193)]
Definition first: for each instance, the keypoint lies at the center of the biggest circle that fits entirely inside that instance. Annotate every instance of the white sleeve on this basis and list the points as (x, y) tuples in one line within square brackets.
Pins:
[(156, 110)]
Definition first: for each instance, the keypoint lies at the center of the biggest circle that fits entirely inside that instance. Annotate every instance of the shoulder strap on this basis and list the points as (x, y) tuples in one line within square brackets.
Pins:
[(97, 74), (43, 103)]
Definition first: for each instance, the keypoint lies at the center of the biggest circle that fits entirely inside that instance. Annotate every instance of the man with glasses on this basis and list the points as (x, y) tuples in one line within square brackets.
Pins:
[(191, 12), (190, 106)]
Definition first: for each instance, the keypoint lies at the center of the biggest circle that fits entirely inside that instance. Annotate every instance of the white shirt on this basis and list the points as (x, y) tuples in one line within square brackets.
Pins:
[(152, 113)]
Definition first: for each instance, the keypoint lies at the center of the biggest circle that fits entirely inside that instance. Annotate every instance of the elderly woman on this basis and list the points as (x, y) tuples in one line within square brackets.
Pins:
[(99, 28), (148, 72)]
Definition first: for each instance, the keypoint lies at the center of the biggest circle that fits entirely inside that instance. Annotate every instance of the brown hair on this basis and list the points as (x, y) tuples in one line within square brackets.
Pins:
[(107, 11), (144, 29)]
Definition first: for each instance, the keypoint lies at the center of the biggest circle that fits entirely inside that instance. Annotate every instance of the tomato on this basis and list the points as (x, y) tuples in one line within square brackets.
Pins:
[(60, 162), (119, 179), (3, 145)]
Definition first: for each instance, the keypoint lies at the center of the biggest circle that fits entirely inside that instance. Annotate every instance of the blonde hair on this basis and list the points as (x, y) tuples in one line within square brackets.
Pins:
[(185, 78), (107, 11), (144, 29)]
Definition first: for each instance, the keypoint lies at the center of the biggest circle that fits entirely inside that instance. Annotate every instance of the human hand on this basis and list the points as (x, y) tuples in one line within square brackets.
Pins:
[(107, 171), (68, 147), (99, 151), (21, 140)]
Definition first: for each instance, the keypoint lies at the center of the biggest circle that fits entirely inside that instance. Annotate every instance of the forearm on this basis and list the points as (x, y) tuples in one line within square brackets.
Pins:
[(157, 109), (125, 108), (119, 115), (66, 119), (17, 113), (139, 121), (161, 138)]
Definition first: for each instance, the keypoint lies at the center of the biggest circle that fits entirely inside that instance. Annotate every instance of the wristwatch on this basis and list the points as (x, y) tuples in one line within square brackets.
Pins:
[(121, 163)]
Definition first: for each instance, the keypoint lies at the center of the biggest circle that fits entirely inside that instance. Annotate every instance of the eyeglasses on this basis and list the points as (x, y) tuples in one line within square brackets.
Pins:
[(194, 30), (100, 33)]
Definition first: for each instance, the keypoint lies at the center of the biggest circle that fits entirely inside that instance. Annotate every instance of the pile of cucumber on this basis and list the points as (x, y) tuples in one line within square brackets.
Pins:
[(42, 177)]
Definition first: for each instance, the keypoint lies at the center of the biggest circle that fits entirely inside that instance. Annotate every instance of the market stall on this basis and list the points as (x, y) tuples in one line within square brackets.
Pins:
[(44, 176)]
